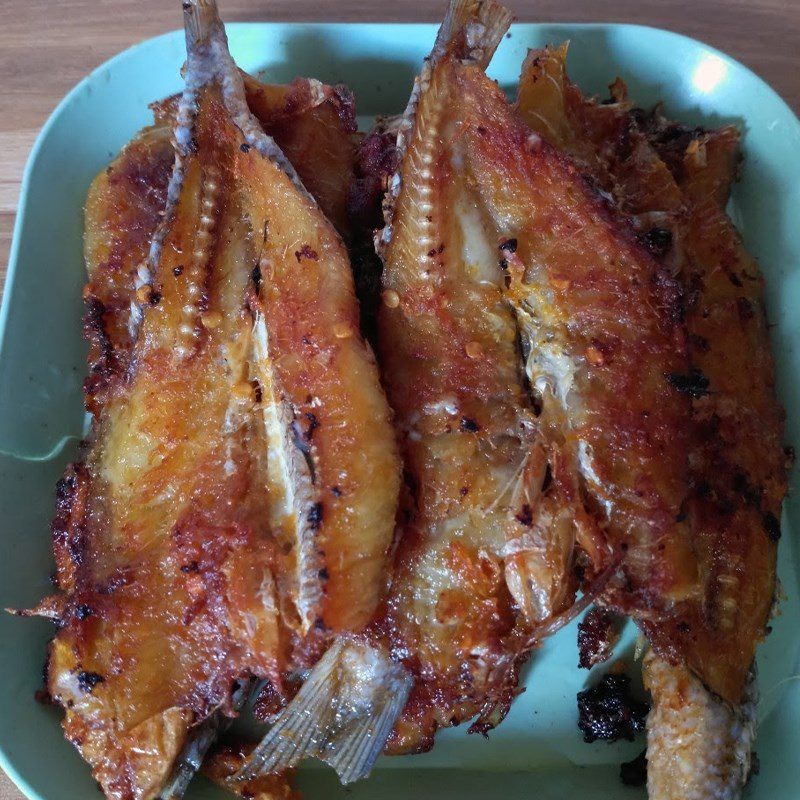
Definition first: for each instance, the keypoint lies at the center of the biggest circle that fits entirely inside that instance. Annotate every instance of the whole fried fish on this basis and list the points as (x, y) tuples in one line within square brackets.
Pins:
[(529, 378), (235, 506), (675, 183)]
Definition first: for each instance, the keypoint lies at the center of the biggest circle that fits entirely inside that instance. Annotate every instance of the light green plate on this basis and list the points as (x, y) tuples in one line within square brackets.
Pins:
[(537, 752)]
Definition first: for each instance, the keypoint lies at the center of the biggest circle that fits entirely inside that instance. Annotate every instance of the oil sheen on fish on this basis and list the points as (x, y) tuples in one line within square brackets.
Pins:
[(235, 505), (675, 182)]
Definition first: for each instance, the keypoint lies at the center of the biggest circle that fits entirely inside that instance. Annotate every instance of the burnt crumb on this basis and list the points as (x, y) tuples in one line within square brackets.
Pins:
[(598, 632), (608, 711), (315, 516), (83, 611), (336, 491), (323, 574), (694, 383), (177, 271), (634, 773), (88, 680), (657, 240), (244, 147), (192, 566), (468, 425), (44, 697), (155, 298), (772, 526), (525, 516), (306, 252), (268, 703)]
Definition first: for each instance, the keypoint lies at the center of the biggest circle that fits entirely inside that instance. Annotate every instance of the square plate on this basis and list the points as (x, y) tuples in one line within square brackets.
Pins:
[(42, 363)]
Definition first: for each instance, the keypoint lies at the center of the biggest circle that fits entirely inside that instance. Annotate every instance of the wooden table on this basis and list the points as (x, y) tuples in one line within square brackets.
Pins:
[(47, 47)]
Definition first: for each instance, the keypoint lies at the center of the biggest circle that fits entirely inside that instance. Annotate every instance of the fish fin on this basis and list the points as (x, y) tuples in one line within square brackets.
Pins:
[(472, 29), (342, 715)]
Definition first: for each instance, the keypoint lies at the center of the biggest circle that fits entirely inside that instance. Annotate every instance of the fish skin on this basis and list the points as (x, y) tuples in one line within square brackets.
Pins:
[(173, 571)]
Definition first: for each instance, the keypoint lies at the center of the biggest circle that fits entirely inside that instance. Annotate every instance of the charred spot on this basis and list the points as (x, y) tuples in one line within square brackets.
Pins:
[(440, 248), (336, 491), (634, 773), (463, 491), (609, 712), (313, 424), (255, 276), (657, 240), (306, 252), (320, 625), (468, 425), (735, 279), (315, 516), (772, 526), (83, 611), (155, 298), (683, 627), (192, 566), (323, 574), (525, 516), (699, 343), (177, 271), (694, 383), (745, 309), (482, 130), (509, 246), (743, 487), (432, 252), (88, 680), (244, 147), (256, 390), (597, 634), (548, 478), (193, 145)]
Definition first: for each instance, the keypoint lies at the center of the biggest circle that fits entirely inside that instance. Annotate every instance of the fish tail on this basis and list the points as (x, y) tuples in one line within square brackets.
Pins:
[(342, 715), (698, 746), (473, 29)]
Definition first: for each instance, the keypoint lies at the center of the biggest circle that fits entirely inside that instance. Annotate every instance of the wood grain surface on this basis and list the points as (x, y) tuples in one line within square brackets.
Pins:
[(47, 47)]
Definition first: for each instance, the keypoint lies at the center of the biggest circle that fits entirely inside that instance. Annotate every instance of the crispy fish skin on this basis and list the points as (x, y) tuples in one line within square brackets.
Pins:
[(314, 126), (169, 563), (603, 322), (737, 465)]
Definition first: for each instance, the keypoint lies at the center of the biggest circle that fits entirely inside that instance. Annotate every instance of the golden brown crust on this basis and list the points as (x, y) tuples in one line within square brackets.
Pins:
[(736, 472)]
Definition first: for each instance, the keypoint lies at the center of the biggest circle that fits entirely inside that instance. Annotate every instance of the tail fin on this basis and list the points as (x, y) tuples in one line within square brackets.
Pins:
[(472, 29), (343, 714)]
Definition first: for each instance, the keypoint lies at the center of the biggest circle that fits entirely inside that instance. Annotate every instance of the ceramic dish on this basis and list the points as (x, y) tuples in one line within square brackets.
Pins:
[(538, 750)]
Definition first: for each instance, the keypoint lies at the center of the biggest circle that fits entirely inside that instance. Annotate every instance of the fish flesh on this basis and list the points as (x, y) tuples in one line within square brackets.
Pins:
[(235, 506), (675, 184)]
